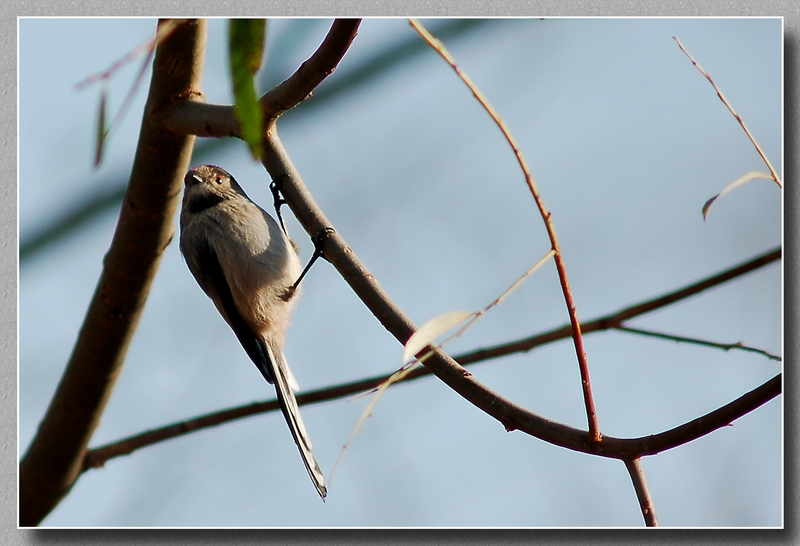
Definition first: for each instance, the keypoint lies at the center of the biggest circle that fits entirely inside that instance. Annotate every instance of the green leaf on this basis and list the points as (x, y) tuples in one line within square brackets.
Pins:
[(246, 48)]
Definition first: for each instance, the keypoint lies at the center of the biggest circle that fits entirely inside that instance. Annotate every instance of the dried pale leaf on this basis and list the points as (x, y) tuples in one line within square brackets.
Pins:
[(432, 329), (745, 178), (246, 48)]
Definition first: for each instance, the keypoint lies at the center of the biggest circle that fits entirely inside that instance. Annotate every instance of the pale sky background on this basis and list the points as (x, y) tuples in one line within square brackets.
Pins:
[(626, 140)]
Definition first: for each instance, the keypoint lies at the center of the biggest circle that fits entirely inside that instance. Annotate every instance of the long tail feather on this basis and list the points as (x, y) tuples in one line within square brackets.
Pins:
[(284, 380)]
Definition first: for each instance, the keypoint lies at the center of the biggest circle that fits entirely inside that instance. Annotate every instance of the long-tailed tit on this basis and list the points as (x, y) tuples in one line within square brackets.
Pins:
[(245, 263)]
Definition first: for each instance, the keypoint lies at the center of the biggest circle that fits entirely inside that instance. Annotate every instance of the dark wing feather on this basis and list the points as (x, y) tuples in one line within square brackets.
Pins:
[(216, 285)]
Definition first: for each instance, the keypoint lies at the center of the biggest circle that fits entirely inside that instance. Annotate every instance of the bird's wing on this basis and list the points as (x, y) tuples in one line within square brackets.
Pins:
[(291, 412), (268, 358), (215, 285)]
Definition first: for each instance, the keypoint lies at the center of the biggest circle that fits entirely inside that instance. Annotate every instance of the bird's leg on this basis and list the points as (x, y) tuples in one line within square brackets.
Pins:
[(277, 200), (319, 242)]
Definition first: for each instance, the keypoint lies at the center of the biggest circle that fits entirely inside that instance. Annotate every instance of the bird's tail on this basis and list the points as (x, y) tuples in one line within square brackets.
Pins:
[(284, 385)]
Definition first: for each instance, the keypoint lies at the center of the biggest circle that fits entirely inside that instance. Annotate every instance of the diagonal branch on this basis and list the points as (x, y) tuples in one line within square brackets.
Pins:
[(55, 457), (739, 119)]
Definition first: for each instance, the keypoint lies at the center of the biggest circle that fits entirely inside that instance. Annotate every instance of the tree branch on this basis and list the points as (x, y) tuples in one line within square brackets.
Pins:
[(616, 318), (97, 457), (696, 341), (54, 459), (569, 300), (696, 428), (311, 73), (195, 117), (56, 456), (511, 415), (617, 448), (279, 165), (366, 287), (634, 467)]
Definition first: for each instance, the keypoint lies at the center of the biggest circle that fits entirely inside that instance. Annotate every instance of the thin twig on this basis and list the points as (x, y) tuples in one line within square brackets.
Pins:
[(475, 316), (683, 339), (634, 467), (583, 364), (772, 171), (148, 46)]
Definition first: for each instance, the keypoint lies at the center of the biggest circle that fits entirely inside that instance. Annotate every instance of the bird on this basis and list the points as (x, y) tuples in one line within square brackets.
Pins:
[(244, 261)]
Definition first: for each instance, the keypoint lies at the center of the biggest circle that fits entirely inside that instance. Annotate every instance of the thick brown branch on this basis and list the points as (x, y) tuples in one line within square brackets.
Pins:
[(196, 117), (696, 428), (54, 459)]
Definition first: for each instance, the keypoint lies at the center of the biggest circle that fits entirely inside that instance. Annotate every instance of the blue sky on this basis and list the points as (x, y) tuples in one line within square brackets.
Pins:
[(626, 140)]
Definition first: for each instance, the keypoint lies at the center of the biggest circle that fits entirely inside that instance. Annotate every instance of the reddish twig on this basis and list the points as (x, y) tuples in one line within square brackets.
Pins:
[(583, 364), (739, 119)]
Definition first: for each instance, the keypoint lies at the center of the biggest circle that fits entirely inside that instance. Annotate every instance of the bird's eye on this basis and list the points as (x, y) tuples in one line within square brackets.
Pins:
[(218, 179)]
